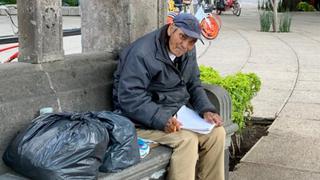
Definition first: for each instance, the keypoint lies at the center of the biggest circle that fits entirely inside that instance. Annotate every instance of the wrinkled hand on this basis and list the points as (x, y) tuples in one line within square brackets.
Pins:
[(213, 118), (172, 125)]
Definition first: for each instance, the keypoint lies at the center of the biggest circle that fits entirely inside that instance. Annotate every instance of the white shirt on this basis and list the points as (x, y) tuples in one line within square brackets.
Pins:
[(172, 56)]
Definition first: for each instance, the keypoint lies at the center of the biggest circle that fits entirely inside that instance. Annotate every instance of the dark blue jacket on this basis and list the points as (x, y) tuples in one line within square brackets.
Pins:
[(149, 89)]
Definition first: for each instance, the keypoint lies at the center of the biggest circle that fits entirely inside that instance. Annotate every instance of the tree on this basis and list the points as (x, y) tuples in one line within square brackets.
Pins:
[(275, 15)]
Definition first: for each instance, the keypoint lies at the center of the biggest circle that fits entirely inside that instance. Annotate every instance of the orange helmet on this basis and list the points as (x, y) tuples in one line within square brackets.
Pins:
[(210, 27)]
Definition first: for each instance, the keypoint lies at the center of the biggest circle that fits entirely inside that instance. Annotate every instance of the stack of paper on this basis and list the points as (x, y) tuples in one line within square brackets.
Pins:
[(192, 121)]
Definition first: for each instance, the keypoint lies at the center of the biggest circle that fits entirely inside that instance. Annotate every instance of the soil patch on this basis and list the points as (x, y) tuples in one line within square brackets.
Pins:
[(253, 131)]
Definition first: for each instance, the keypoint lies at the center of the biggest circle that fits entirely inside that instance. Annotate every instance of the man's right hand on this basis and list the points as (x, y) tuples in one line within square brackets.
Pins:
[(172, 125)]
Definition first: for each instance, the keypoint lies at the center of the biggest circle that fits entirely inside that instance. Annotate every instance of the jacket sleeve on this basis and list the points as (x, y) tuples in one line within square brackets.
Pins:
[(198, 97), (133, 97)]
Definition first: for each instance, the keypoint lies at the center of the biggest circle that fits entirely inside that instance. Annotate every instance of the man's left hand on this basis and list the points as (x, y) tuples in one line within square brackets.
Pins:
[(213, 118)]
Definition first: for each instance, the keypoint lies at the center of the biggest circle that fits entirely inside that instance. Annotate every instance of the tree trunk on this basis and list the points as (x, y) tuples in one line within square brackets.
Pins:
[(275, 15)]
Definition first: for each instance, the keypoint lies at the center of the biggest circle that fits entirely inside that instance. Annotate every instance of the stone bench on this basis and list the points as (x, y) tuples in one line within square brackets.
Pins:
[(82, 82)]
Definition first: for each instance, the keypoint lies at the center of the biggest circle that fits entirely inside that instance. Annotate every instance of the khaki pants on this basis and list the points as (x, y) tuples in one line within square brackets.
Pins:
[(188, 148)]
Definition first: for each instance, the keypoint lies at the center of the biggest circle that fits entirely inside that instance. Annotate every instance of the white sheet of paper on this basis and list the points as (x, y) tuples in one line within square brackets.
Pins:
[(192, 121)]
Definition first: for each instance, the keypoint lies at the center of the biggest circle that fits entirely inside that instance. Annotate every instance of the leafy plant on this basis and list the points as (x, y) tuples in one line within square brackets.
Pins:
[(8, 1), (285, 22), (266, 19), (70, 2), (304, 6), (242, 88)]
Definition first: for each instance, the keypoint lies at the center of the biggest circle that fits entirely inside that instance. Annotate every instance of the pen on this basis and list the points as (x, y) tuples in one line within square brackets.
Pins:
[(174, 125)]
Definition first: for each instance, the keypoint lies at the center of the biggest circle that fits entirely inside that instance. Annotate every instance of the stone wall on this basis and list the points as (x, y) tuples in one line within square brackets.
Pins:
[(145, 16)]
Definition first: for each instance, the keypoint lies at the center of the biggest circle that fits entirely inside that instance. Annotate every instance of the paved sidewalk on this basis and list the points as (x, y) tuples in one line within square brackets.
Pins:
[(289, 67)]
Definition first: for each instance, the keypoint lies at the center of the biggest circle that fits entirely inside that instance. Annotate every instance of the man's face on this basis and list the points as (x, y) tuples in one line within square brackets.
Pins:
[(179, 43)]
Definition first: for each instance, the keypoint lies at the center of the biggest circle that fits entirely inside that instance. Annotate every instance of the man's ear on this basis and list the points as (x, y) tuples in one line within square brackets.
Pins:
[(170, 29)]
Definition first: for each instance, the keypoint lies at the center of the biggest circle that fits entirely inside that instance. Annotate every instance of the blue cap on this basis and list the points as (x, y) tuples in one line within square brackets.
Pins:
[(188, 24)]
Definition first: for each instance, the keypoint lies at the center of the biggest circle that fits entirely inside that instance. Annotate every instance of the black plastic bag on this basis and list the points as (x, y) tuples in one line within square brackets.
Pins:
[(123, 150), (59, 146)]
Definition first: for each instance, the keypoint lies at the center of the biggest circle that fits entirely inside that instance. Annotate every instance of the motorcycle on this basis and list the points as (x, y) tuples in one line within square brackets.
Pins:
[(224, 5)]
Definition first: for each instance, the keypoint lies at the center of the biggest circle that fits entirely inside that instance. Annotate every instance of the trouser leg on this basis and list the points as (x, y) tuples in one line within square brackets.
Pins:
[(185, 151), (211, 155)]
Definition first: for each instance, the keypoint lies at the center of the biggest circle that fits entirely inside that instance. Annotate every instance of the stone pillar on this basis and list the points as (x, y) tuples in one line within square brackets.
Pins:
[(104, 25), (162, 12), (40, 30), (110, 25), (145, 16)]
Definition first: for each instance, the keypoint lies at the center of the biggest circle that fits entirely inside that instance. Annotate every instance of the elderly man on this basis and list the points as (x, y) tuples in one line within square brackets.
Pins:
[(157, 75)]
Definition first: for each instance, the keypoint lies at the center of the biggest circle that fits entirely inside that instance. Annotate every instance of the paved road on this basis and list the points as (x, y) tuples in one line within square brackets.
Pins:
[(275, 57), (289, 67)]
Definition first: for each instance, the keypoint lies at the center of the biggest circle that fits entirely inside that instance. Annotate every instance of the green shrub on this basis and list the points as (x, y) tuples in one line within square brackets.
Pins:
[(70, 2), (242, 88), (266, 19), (304, 6), (285, 22), (8, 1), (311, 8)]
